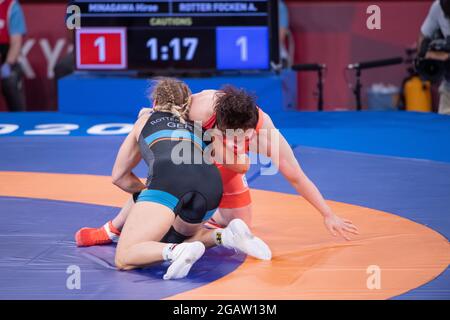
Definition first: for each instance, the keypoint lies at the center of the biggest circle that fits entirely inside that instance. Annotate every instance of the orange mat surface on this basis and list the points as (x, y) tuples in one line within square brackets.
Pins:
[(308, 263)]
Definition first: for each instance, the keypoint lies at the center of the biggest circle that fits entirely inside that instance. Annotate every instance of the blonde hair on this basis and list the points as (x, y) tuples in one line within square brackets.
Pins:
[(172, 95)]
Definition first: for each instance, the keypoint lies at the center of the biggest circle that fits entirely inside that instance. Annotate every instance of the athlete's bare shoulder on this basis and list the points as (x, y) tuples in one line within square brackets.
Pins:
[(202, 107)]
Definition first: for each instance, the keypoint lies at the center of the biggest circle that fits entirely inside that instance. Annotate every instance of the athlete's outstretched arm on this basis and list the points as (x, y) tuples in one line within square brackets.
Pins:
[(284, 159), (127, 159)]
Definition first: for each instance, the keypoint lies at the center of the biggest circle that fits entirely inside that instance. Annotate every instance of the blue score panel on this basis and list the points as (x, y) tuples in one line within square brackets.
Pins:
[(242, 48)]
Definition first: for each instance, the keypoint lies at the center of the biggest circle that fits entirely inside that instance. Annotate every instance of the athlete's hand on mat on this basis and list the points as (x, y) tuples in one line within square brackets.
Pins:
[(338, 226)]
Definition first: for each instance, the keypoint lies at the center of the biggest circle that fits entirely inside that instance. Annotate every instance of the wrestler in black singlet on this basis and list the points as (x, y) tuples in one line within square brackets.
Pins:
[(190, 190)]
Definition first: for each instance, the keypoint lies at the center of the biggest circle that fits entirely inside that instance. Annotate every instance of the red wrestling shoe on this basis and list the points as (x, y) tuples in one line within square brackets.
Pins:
[(86, 237)]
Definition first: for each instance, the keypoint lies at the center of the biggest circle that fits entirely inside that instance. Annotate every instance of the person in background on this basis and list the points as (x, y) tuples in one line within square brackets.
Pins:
[(438, 19), (12, 30), (283, 17), (66, 65)]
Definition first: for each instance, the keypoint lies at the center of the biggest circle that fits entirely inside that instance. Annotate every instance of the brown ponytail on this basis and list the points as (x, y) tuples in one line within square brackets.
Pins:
[(172, 95)]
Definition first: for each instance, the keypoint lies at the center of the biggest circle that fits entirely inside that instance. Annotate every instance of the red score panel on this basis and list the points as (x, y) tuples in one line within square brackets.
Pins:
[(101, 48)]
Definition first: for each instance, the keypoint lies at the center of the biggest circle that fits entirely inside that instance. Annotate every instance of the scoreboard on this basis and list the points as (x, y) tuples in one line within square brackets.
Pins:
[(177, 36)]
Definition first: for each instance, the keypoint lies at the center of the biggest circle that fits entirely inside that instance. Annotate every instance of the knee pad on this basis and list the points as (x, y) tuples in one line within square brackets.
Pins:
[(173, 236), (193, 208)]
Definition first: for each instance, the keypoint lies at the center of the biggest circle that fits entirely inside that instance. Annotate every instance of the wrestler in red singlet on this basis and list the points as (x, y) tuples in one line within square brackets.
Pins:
[(236, 193)]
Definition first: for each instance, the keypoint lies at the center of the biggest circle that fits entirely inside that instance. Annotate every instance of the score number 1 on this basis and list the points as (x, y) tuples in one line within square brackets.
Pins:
[(242, 42), (101, 48), (176, 44), (100, 43)]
